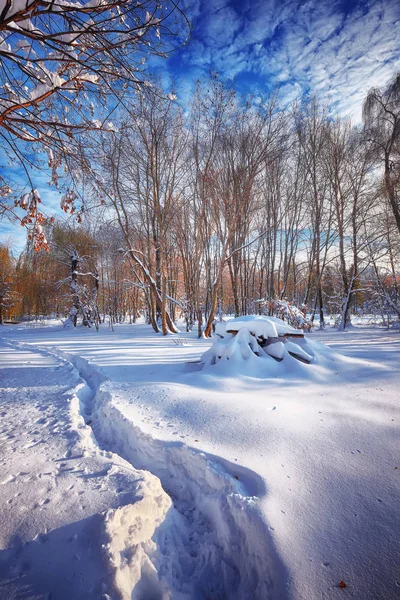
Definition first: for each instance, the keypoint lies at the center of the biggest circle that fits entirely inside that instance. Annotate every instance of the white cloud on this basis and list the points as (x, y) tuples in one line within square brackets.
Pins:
[(317, 46), (222, 26), (354, 55)]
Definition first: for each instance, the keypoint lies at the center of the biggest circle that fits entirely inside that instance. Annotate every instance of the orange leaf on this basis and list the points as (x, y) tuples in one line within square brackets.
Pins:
[(342, 585)]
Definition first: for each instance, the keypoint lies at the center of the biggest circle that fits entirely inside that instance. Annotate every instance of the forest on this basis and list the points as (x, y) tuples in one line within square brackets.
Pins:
[(231, 205), (199, 299), (220, 204)]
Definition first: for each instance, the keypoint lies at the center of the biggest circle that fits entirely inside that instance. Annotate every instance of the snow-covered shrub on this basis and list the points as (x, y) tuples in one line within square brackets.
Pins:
[(291, 313)]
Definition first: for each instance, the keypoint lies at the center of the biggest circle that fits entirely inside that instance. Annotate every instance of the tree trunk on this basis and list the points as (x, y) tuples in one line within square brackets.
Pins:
[(233, 274), (73, 315), (391, 192), (199, 322), (164, 304), (214, 293)]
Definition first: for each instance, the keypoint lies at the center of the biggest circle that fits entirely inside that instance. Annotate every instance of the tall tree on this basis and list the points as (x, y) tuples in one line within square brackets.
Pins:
[(311, 126), (381, 114)]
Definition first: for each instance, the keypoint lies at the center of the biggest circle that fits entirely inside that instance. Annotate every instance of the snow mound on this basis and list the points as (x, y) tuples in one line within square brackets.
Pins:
[(130, 547), (261, 327), (254, 345)]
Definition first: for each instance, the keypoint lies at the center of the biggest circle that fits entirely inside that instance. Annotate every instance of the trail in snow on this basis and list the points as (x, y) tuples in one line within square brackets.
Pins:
[(201, 536), (327, 446), (55, 485), (215, 544)]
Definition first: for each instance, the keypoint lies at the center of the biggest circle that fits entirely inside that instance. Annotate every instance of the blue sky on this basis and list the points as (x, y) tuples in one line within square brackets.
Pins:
[(11, 232), (337, 49)]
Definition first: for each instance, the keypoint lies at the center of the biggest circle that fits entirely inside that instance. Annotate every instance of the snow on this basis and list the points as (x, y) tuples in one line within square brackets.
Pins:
[(54, 483), (54, 82), (250, 346), (261, 326), (14, 6), (198, 482)]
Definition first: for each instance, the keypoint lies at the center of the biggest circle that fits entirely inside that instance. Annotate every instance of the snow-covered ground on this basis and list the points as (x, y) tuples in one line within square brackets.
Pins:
[(198, 483)]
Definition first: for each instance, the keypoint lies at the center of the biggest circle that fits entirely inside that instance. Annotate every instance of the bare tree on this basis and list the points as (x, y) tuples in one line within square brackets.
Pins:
[(312, 132), (247, 141), (381, 113), (145, 166)]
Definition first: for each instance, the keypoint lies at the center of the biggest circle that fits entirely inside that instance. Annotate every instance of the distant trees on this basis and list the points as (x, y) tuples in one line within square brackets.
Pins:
[(227, 205), (63, 283), (7, 281), (76, 252), (119, 298)]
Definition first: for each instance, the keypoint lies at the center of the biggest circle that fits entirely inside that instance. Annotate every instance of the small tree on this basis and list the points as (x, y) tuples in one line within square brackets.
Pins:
[(77, 251)]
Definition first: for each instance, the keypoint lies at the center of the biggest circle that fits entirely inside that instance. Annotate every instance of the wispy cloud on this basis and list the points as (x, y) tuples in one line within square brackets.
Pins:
[(336, 49), (318, 46)]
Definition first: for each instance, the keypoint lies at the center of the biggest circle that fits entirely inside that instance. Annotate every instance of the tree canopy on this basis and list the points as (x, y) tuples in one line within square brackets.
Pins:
[(64, 68)]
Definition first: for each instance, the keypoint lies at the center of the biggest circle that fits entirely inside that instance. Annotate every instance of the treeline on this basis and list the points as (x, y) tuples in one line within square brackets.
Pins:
[(228, 205)]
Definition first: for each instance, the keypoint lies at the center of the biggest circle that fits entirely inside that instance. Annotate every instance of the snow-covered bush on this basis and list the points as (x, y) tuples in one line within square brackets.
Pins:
[(291, 313)]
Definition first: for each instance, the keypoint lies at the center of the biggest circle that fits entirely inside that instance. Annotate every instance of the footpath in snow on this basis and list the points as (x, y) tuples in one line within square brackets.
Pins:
[(79, 521), (278, 486), (62, 498)]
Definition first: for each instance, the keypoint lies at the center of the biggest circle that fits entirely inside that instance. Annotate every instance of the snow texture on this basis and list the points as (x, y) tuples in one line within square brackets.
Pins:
[(128, 471), (253, 344), (153, 546)]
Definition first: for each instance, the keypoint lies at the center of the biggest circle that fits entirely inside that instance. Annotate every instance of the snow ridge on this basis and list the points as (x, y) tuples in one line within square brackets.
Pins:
[(208, 538), (215, 543), (194, 531)]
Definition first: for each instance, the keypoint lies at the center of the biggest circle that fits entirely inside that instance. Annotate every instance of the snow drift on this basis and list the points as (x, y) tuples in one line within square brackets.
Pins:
[(195, 530), (256, 345)]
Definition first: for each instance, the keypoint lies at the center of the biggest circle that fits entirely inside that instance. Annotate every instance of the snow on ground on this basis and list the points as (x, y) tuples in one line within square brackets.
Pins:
[(281, 486), (60, 495)]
